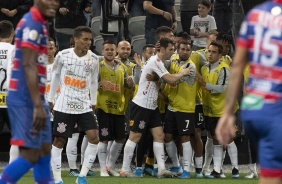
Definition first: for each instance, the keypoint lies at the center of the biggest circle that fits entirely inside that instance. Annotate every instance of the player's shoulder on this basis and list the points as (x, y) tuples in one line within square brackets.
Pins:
[(66, 51), (93, 55)]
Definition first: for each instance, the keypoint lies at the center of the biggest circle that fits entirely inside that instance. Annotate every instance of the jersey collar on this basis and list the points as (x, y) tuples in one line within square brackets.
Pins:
[(37, 15)]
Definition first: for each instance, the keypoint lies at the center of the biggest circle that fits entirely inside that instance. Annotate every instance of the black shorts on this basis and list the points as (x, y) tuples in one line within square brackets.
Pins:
[(142, 118), (4, 118), (199, 117), (211, 123), (111, 126), (179, 123), (65, 124)]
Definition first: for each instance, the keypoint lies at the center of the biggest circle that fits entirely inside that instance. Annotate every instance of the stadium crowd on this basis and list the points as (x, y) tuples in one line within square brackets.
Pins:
[(151, 104)]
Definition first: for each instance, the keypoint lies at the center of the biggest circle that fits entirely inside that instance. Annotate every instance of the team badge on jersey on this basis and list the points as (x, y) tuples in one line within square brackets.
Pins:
[(104, 132), (61, 127), (131, 123), (87, 67), (142, 124)]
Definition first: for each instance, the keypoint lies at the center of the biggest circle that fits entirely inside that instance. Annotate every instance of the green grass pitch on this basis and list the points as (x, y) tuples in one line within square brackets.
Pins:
[(28, 179)]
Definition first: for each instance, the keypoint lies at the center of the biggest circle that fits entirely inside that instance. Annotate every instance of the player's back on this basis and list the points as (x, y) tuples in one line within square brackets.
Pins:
[(261, 34), (31, 33)]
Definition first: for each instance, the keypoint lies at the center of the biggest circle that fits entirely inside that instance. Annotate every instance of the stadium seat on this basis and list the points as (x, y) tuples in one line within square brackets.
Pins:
[(95, 26), (177, 8), (98, 43), (136, 25), (137, 43)]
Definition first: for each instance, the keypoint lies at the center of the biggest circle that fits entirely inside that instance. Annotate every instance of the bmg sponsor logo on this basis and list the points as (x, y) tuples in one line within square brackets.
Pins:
[(111, 105)]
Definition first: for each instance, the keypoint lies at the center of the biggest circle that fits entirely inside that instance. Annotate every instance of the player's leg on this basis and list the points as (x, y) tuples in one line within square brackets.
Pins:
[(119, 140), (252, 149), (138, 124), (87, 123), (29, 143), (105, 129), (158, 144), (197, 138), (71, 151), (186, 128), (208, 149), (41, 170), (170, 129), (218, 149), (62, 129)]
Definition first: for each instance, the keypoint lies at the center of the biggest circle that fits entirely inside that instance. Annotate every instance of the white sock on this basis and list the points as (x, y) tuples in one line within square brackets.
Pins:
[(83, 148), (127, 155), (198, 162), (223, 158), (217, 157), (187, 155), (108, 150), (14, 153), (102, 155), (233, 154), (114, 153), (208, 153), (90, 155), (71, 150), (56, 163), (158, 148), (171, 150)]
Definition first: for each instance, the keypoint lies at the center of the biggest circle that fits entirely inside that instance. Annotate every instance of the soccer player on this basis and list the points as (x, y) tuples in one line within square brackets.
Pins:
[(214, 81), (76, 70), (7, 52), (28, 109), (259, 44), (180, 116), (111, 108), (145, 103)]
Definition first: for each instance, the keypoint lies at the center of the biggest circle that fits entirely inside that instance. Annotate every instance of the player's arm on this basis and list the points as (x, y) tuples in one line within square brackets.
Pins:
[(221, 84), (55, 82), (30, 56), (94, 85)]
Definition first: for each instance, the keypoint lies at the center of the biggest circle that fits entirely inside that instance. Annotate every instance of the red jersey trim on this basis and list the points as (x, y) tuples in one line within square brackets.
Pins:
[(37, 15), (242, 43), (278, 1), (272, 173), (31, 46), (17, 142)]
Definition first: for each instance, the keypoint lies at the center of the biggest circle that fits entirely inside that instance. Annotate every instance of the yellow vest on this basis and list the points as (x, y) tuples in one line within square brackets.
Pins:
[(112, 100), (195, 57), (213, 104), (246, 74), (128, 93), (226, 59), (182, 97)]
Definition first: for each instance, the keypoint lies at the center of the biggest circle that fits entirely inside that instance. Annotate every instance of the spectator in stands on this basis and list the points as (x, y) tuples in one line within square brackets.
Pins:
[(13, 10), (202, 25), (96, 6), (113, 13), (135, 8), (158, 13), (70, 16), (222, 12)]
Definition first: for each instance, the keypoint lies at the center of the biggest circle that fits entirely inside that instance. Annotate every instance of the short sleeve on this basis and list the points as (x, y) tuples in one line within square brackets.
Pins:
[(159, 68), (32, 35)]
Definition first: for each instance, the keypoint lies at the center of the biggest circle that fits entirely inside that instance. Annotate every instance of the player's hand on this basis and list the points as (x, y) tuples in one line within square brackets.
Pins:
[(225, 129), (5, 11), (88, 9), (167, 16), (152, 77), (106, 84), (12, 13), (174, 26), (187, 71), (137, 60), (200, 79), (39, 118), (129, 81), (51, 106), (63, 11)]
